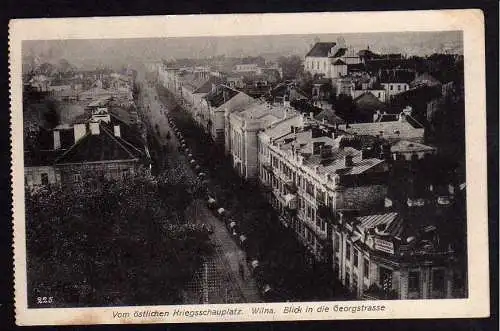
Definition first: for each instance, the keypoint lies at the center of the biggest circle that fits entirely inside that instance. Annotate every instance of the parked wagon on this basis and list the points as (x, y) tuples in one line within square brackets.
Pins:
[(242, 240), (221, 212), (211, 202), (233, 228), (254, 264)]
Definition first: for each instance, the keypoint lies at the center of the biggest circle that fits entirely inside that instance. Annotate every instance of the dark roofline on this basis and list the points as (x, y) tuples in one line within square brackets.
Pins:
[(317, 48), (88, 134)]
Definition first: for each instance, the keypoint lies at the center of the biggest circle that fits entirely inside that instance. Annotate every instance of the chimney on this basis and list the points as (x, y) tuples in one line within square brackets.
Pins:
[(116, 130), (79, 130), (94, 128), (57, 140), (348, 161), (311, 115), (364, 155)]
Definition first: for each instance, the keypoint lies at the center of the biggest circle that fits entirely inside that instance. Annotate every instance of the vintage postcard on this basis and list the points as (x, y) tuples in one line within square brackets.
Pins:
[(264, 167)]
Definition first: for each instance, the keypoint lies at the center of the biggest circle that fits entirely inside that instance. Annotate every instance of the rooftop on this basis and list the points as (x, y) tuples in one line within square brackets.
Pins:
[(220, 95), (321, 49), (329, 116), (404, 146), (330, 157), (368, 101), (378, 128), (100, 147)]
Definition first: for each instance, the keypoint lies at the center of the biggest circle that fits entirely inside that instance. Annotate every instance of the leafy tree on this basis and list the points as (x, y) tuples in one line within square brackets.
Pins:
[(51, 115), (291, 65), (114, 243)]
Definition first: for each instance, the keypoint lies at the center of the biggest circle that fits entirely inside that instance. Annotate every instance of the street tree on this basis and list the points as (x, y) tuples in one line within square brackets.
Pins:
[(111, 244)]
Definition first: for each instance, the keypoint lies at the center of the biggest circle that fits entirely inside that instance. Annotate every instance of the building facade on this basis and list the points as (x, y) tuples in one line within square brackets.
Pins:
[(391, 256), (243, 130), (310, 174)]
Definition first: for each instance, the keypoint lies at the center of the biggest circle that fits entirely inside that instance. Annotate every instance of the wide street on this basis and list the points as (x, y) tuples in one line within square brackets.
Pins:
[(225, 277)]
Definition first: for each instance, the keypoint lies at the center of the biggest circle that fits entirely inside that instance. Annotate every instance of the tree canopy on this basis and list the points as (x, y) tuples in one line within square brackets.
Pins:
[(120, 243)]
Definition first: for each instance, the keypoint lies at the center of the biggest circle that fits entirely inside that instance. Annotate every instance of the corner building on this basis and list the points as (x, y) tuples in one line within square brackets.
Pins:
[(309, 175)]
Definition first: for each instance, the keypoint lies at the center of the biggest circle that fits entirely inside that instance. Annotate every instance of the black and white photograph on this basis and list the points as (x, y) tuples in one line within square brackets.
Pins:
[(250, 169)]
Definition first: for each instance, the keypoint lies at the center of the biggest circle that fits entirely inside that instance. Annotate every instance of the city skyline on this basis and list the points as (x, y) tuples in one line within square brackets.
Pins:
[(92, 52)]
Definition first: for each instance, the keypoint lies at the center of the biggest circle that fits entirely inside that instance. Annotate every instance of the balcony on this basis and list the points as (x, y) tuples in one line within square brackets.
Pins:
[(325, 212), (290, 201), (267, 166), (291, 187)]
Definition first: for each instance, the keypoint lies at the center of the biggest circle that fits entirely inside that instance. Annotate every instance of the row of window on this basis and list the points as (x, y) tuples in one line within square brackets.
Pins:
[(311, 65), (44, 179), (386, 275), (400, 87), (437, 280)]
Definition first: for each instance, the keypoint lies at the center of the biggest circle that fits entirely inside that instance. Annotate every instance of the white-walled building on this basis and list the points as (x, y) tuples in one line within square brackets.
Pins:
[(330, 59), (309, 174), (243, 130)]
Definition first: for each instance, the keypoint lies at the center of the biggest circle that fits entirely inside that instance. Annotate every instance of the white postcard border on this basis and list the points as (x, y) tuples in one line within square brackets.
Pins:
[(471, 22)]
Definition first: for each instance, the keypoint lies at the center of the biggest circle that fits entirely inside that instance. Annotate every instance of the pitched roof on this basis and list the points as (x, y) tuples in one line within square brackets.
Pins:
[(283, 89), (220, 95), (340, 52), (95, 91), (339, 62), (303, 142), (374, 128), (367, 101), (320, 49), (100, 147), (329, 116), (425, 79), (283, 127), (371, 221), (404, 146)]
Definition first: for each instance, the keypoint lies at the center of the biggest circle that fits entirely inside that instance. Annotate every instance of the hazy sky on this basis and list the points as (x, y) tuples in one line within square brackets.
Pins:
[(109, 51)]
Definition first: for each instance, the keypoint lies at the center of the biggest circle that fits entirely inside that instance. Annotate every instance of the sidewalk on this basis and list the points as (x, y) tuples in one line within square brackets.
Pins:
[(229, 253), (225, 263)]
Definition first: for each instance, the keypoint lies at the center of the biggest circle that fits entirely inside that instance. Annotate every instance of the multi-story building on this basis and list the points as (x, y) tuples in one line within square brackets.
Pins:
[(194, 87), (169, 77), (392, 127), (310, 174), (243, 128), (395, 81), (247, 68), (413, 254), (221, 102), (330, 59), (378, 93), (104, 147)]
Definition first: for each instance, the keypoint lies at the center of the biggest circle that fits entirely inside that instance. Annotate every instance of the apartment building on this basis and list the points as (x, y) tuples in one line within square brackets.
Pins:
[(220, 102), (310, 174), (412, 254), (243, 128)]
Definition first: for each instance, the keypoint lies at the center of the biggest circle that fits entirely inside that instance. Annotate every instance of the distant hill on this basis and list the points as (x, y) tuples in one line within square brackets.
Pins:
[(83, 53)]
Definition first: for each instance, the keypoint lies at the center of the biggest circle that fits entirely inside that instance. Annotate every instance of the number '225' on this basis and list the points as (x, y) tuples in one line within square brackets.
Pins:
[(42, 300)]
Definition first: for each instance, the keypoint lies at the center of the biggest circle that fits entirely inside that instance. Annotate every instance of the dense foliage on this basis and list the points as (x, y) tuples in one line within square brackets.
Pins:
[(121, 243)]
